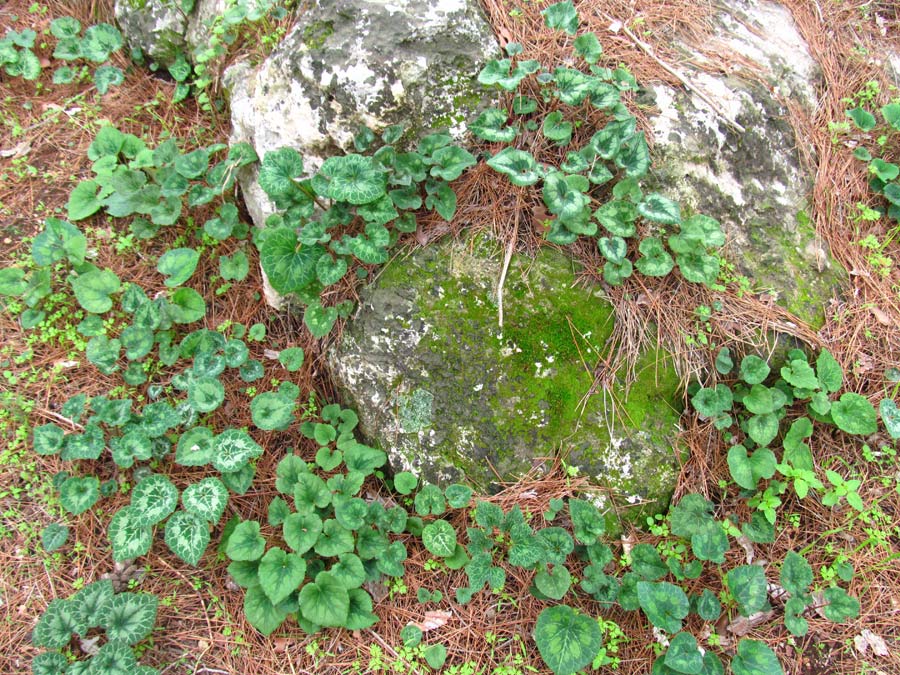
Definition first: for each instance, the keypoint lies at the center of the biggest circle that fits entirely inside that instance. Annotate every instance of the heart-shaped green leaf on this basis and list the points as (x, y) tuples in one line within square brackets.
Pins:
[(178, 264), (566, 639), (187, 535)]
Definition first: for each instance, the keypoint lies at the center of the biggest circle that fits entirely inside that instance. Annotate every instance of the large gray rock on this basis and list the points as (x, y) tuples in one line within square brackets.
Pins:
[(753, 181), (352, 63), (451, 395)]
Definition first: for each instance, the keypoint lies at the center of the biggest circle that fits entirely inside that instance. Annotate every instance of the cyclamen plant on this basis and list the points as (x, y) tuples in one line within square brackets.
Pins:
[(355, 206), (883, 174), (596, 191), (352, 209), (94, 46), (113, 622)]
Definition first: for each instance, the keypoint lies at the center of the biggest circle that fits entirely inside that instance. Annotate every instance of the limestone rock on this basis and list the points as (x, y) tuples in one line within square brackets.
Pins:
[(348, 63), (156, 27), (452, 396), (162, 29), (752, 181)]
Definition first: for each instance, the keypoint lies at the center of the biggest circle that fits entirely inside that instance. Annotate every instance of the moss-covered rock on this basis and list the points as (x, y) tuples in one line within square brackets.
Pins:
[(453, 396)]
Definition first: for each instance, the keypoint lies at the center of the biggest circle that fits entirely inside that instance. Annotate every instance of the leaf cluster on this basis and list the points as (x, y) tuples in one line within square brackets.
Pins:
[(117, 621), (596, 191), (351, 211), (94, 46)]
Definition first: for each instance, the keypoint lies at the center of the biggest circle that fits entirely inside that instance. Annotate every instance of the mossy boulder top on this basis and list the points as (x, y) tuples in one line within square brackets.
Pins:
[(452, 396)]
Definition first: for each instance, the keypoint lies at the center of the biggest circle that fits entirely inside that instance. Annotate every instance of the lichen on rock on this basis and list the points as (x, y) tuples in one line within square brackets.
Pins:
[(451, 395)]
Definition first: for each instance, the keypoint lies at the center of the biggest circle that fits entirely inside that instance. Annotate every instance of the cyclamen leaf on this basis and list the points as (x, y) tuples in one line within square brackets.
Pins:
[(660, 209), (566, 639), (205, 394), (755, 658), (863, 119), (450, 161), (178, 264), (54, 536), (57, 624), (77, 495), (829, 372), (280, 172), (48, 439), (587, 46), (354, 178), (491, 126), (588, 523), (106, 77), (748, 470), (796, 574), (186, 306), (319, 320), (753, 369), (664, 604), (187, 535), (854, 414), (517, 165), (234, 267), (232, 449), (683, 654), (206, 499), (655, 261), (245, 542), (556, 129), (325, 602), (561, 16), (890, 416), (260, 612), (58, 240), (747, 584), (301, 531), (554, 583), (280, 574), (99, 41), (193, 164), (439, 538), (83, 201), (289, 266), (271, 410), (841, 606), (153, 499), (129, 538), (129, 617), (442, 200), (762, 428), (65, 27)]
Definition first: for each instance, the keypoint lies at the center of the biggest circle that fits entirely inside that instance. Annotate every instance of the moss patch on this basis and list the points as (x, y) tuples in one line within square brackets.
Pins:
[(502, 399)]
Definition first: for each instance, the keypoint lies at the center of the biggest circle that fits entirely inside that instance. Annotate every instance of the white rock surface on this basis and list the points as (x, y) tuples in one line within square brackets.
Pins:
[(739, 162)]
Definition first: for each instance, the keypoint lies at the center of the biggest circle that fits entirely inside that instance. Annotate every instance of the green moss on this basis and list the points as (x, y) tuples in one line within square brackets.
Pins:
[(810, 290), (466, 95), (504, 397), (315, 34)]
